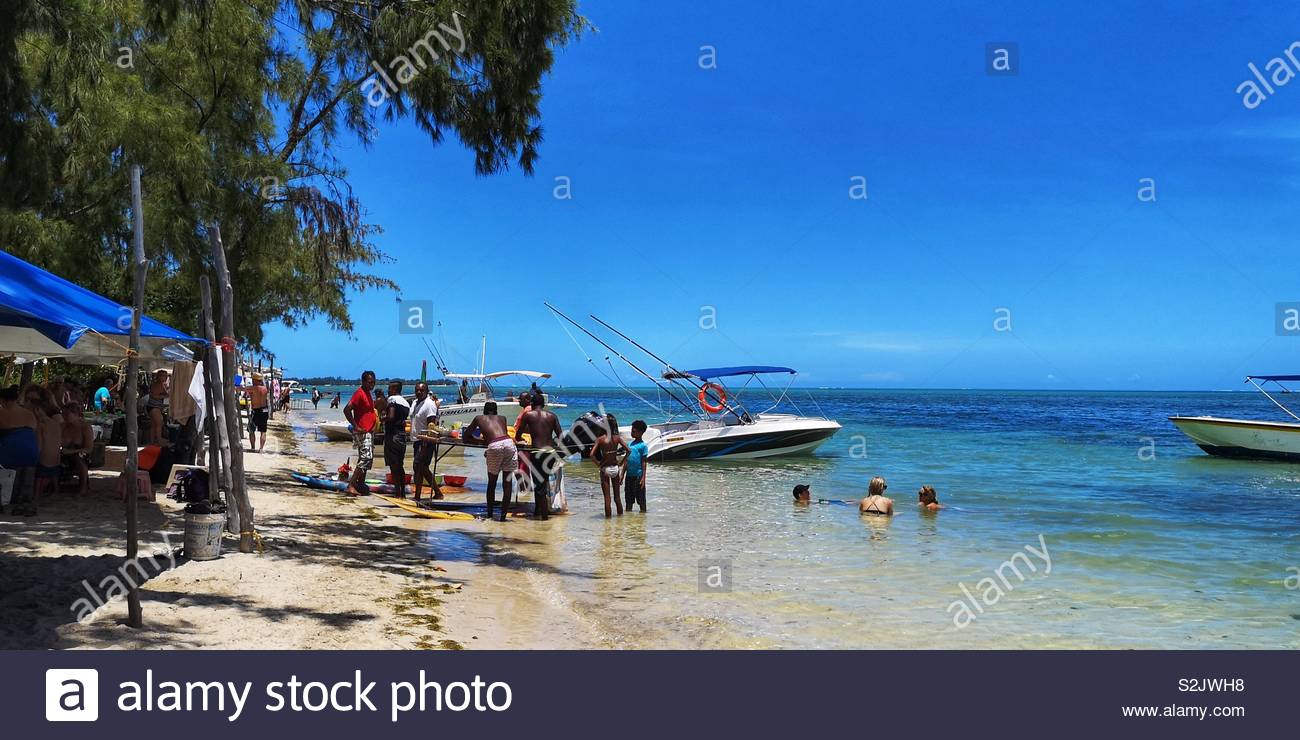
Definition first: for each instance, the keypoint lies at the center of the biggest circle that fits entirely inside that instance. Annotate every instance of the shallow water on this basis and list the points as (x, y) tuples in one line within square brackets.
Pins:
[(1152, 544)]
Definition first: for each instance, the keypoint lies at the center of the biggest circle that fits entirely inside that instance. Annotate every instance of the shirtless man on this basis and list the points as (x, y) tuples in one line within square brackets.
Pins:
[(78, 443), (605, 453), (544, 429), (501, 455), (261, 410)]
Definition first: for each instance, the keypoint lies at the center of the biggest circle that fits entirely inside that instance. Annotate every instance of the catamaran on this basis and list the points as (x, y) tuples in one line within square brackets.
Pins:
[(717, 425), (1245, 438)]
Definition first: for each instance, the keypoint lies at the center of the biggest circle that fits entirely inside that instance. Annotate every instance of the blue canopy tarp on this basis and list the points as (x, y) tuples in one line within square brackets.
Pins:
[(43, 315), (708, 373)]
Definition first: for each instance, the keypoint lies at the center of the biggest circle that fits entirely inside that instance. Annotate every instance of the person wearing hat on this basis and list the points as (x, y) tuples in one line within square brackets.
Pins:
[(259, 403), (802, 494)]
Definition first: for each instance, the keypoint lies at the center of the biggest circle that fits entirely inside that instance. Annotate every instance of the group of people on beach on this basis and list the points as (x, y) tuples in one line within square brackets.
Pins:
[(531, 456), (621, 464), (875, 503), (367, 409), (43, 435)]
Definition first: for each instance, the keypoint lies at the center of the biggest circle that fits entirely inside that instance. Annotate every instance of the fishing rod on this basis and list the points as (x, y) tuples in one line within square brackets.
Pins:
[(631, 364), (667, 365), (442, 365)]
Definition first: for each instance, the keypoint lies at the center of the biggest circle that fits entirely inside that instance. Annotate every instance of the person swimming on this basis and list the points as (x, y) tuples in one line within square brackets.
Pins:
[(928, 498), (876, 503), (802, 494)]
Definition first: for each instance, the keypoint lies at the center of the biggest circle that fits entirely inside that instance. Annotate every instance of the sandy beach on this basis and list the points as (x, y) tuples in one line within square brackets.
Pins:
[(336, 572)]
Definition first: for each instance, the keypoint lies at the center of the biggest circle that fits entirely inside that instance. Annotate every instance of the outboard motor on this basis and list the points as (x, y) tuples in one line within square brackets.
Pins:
[(582, 436)]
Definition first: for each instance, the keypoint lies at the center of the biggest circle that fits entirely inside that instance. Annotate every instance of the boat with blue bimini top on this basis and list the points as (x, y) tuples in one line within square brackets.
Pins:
[(715, 423), (1247, 438), (728, 429)]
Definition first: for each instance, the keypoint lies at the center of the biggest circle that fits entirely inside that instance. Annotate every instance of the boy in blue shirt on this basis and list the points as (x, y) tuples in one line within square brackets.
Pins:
[(634, 465)]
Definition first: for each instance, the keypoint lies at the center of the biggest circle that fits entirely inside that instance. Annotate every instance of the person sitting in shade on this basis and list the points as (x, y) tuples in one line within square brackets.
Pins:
[(876, 503), (928, 499), (78, 443)]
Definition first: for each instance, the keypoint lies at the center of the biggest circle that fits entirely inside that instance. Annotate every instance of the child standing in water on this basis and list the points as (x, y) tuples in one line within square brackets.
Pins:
[(605, 453), (634, 467)]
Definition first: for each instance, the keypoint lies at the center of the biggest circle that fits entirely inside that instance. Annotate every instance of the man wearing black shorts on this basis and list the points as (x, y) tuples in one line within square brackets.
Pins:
[(395, 415), (259, 402), (543, 428), (424, 414)]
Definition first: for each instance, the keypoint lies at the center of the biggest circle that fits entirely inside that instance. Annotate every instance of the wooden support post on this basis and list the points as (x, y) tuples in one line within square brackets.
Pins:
[(237, 482), (219, 465), (135, 615)]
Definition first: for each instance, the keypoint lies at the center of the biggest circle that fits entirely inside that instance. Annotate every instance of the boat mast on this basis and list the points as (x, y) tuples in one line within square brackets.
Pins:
[(667, 365), (630, 364)]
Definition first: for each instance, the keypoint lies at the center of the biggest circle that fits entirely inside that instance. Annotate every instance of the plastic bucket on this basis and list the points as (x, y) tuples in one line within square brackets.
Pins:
[(203, 535)]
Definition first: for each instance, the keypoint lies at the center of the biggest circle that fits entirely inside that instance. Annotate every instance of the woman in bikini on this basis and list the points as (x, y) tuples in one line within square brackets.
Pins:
[(158, 392), (876, 503), (605, 453)]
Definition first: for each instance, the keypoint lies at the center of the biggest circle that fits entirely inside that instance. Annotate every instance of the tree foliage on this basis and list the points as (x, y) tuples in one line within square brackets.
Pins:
[(233, 109)]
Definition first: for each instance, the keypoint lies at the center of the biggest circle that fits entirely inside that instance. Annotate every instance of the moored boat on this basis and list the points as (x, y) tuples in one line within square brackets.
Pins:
[(1247, 438), (717, 424)]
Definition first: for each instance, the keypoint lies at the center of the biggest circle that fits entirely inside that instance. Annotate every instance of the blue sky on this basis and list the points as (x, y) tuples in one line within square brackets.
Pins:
[(729, 188)]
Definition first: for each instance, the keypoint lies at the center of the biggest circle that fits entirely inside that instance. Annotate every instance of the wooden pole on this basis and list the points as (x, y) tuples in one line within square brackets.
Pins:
[(237, 482), (219, 444), (135, 616), (270, 381)]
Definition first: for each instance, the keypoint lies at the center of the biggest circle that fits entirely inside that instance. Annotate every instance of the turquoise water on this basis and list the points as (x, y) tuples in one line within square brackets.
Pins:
[(1152, 543)]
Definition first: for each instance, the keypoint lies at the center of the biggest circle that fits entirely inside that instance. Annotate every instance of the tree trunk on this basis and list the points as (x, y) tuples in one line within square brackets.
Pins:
[(237, 482), (219, 477), (135, 615)]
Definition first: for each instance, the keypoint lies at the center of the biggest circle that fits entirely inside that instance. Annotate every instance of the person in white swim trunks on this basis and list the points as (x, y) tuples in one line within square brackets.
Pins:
[(501, 455), (606, 454)]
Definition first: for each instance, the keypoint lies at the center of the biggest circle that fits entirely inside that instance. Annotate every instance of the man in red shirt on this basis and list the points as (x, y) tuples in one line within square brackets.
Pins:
[(360, 413)]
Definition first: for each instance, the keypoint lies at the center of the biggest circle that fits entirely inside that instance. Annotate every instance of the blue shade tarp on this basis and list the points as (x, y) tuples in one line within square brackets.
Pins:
[(707, 373), (43, 315)]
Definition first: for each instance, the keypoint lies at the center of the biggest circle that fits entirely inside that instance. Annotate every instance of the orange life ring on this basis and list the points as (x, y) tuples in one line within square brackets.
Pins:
[(718, 391)]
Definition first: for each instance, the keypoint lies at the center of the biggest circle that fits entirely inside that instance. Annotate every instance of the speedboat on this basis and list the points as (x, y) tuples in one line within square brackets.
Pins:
[(1245, 438), (734, 432), (718, 424)]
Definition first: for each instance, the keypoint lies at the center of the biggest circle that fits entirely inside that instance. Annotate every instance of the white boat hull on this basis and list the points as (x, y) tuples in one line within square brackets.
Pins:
[(771, 435), (1242, 438)]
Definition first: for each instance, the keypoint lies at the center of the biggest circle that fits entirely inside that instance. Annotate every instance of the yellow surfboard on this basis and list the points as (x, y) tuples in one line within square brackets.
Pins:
[(409, 507)]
